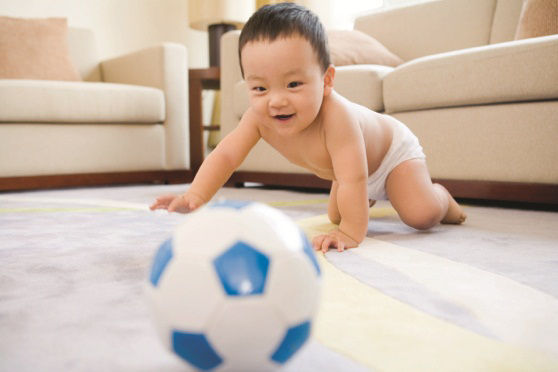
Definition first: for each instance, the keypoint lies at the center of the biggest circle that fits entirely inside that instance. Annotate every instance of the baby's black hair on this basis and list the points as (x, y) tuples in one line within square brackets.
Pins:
[(271, 22)]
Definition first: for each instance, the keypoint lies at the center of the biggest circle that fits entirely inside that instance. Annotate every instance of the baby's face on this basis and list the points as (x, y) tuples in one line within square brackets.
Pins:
[(285, 82)]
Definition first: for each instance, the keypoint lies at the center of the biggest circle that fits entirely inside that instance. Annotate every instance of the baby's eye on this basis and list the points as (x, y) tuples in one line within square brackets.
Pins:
[(259, 89), (294, 84)]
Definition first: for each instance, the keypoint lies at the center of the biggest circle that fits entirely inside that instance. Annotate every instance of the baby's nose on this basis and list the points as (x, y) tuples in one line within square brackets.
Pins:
[(277, 100)]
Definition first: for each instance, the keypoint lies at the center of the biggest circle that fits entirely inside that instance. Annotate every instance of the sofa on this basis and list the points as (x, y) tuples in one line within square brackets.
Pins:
[(125, 122), (484, 105)]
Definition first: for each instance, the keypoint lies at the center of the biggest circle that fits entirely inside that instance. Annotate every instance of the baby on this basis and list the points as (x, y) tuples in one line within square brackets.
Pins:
[(368, 156)]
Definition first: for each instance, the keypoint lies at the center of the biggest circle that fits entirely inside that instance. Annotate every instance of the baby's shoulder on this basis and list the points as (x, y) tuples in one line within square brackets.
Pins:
[(337, 109)]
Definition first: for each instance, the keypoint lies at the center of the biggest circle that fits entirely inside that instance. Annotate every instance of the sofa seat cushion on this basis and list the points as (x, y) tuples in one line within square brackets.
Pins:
[(361, 84), (514, 71), (36, 101)]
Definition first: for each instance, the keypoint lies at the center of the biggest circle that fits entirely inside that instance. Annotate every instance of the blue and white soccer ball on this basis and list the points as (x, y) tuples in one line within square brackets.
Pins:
[(235, 288)]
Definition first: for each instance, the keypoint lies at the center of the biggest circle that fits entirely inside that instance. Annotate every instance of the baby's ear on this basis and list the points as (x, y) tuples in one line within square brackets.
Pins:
[(328, 80)]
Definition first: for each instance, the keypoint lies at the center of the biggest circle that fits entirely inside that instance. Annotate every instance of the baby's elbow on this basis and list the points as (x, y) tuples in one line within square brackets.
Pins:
[(360, 235), (334, 218), (360, 238), (224, 157)]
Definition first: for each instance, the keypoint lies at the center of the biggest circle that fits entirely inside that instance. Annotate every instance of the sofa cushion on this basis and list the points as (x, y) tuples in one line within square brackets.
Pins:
[(54, 149), (35, 49), (538, 18), (523, 70), (352, 47), (83, 52), (504, 23), (32, 101)]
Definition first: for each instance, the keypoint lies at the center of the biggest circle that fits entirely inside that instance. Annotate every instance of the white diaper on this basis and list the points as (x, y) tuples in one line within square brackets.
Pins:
[(404, 146)]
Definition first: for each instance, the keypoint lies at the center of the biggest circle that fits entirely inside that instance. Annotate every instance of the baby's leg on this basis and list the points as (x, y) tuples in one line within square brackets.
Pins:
[(332, 208), (420, 203)]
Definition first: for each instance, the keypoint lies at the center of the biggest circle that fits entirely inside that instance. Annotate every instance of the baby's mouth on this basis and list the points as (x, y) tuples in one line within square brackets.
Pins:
[(283, 117)]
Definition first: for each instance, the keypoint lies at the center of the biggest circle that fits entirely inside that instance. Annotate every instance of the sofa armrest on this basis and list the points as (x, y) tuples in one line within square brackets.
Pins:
[(422, 29), (164, 67), (515, 71)]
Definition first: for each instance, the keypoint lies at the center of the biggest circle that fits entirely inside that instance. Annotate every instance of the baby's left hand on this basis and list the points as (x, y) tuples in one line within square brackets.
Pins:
[(333, 239)]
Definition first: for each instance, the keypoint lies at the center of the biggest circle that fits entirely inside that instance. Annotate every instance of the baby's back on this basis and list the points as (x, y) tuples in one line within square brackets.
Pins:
[(376, 131)]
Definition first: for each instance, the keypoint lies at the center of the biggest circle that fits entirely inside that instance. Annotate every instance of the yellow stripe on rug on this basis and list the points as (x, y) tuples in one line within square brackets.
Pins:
[(296, 203), (383, 333)]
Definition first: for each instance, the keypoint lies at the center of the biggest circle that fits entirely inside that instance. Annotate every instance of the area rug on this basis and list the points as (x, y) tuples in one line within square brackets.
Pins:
[(477, 297)]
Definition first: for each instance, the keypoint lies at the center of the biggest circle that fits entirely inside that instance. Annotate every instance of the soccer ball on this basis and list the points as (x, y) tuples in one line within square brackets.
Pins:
[(235, 288)]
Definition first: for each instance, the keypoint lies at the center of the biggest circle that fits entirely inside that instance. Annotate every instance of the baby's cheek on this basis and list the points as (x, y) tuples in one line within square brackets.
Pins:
[(258, 106)]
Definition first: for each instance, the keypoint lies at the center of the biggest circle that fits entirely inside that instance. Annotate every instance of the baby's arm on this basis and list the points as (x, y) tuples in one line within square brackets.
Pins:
[(216, 168), (332, 209), (345, 144)]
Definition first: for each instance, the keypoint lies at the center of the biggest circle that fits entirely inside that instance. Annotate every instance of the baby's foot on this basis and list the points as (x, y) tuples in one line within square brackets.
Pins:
[(455, 214)]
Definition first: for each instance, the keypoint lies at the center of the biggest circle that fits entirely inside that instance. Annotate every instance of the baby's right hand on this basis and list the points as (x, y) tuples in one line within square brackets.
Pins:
[(184, 203)]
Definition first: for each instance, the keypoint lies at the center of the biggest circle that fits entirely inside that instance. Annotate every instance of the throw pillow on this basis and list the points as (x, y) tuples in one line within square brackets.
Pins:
[(35, 49), (538, 18), (352, 47)]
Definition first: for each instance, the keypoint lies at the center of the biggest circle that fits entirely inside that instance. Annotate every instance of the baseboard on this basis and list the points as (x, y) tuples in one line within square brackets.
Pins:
[(94, 179), (280, 179), (537, 193)]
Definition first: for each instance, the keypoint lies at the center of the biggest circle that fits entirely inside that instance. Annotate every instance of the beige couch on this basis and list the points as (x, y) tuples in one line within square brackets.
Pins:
[(484, 106), (126, 122)]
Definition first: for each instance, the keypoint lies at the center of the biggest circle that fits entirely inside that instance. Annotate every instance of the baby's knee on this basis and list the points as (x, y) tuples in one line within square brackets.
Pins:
[(425, 219)]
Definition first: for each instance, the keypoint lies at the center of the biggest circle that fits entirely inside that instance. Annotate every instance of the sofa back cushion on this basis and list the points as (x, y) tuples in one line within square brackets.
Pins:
[(504, 24), (352, 47), (83, 53), (432, 27)]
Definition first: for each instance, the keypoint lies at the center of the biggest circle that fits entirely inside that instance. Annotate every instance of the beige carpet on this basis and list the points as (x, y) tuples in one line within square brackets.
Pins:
[(481, 297)]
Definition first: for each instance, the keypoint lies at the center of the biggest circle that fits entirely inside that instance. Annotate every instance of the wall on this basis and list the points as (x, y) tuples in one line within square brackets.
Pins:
[(121, 25), (124, 25)]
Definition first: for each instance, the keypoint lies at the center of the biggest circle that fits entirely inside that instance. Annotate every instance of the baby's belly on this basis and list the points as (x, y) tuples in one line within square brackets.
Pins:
[(326, 174), (330, 176), (317, 162), (322, 172)]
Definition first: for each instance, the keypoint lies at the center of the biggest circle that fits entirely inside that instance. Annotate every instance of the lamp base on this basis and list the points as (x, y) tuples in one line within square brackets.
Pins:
[(215, 32)]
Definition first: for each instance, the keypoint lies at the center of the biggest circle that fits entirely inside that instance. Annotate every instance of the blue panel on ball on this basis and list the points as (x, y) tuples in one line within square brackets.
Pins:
[(294, 339), (242, 270), (162, 258), (195, 349), (233, 204), (309, 251)]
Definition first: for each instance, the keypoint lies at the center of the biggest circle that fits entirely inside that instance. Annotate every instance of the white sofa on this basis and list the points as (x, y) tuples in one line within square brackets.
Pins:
[(127, 121), (484, 106)]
